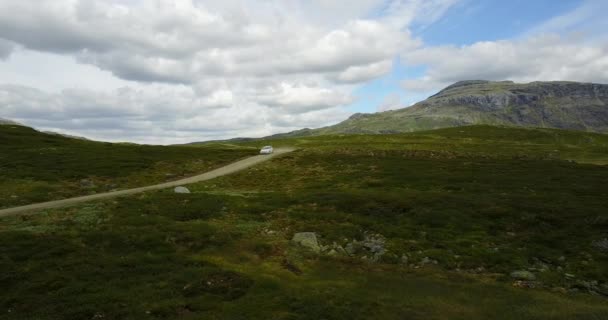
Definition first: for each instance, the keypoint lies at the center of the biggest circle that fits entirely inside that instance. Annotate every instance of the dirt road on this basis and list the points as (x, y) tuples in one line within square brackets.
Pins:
[(231, 168)]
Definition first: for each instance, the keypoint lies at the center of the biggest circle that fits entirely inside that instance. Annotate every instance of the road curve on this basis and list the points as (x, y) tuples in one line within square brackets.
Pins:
[(228, 169)]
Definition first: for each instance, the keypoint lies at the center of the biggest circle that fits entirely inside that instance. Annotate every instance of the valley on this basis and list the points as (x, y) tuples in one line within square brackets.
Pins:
[(471, 222)]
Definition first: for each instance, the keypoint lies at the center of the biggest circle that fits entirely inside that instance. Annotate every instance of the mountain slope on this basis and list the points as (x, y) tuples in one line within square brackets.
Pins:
[(562, 105)]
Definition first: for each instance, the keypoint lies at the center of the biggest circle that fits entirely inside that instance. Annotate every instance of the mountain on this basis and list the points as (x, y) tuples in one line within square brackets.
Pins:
[(562, 105)]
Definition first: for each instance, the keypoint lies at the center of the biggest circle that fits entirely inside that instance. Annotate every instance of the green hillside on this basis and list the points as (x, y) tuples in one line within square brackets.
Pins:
[(425, 225), (37, 166), (561, 105)]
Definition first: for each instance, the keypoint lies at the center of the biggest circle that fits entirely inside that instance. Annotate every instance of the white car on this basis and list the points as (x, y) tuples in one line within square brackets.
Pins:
[(266, 150)]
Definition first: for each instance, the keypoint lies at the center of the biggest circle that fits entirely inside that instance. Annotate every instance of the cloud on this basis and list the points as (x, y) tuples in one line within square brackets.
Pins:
[(301, 99), (172, 70), (6, 48), (400, 14), (359, 74), (542, 57), (588, 19), (164, 114), (183, 41)]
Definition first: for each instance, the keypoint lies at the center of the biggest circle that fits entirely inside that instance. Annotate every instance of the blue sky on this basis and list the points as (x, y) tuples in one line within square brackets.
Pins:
[(465, 23), (487, 20)]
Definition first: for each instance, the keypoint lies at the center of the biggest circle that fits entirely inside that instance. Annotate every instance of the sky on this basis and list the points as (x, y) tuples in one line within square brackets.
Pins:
[(164, 72)]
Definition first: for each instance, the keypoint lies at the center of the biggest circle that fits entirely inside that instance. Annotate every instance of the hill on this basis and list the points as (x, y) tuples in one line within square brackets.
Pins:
[(8, 122), (37, 166), (474, 222), (561, 105)]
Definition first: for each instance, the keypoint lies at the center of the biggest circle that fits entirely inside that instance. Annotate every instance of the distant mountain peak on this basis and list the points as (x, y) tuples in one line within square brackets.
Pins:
[(548, 104)]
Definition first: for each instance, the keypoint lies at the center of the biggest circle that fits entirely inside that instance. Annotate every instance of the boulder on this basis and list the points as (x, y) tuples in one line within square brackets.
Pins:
[(181, 190), (307, 240), (523, 275)]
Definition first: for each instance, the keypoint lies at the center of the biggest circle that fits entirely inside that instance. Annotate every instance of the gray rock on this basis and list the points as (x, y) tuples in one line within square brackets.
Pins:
[(340, 250), (404, 259), (307, 240), (181, 190), (350, 249), (601, 245), (523, 275)]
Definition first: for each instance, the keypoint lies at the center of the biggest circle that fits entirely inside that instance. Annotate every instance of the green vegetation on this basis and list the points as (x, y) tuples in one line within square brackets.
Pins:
[(38, 167), (465, 206)]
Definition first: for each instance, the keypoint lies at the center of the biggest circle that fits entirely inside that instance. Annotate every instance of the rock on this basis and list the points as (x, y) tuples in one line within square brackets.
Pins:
[(340, 251), (350, 248), (374, 244), (307, 240), (561, 259), (523, 275), (569, 275), (589, 286), (601, 245), (425, 260), (181, 190), (404, 259)]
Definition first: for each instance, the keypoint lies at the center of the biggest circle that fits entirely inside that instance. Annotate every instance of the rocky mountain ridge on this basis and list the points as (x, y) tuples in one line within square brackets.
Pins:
[(558, 104)]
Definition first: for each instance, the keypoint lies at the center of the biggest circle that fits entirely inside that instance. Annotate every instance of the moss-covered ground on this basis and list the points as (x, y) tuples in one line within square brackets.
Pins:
[(480, 202)]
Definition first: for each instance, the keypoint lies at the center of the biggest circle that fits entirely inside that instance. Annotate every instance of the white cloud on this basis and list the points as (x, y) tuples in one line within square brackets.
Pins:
[(116, 68), (542, 58), (588, 20), (300, 99), (357, 74), (401, 14), (6, 48), (183, 41), (163, 114)]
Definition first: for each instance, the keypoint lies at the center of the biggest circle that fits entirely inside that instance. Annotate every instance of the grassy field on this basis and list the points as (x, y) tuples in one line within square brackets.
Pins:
[(38, 167), (455, 210)]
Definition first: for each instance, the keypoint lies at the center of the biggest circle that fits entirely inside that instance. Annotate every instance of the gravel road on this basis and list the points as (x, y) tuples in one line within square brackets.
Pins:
[(231, 168)]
